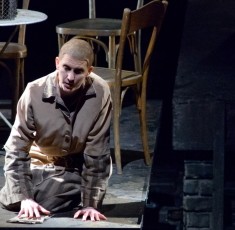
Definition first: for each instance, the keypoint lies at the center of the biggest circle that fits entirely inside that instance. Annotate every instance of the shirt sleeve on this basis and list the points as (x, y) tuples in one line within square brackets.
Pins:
[(18, 183), (95, 178), (98, 165)]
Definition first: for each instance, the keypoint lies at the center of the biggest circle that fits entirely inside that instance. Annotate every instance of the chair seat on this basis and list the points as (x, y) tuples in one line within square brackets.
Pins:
[(129, 78), (13, 50), (91, 27)]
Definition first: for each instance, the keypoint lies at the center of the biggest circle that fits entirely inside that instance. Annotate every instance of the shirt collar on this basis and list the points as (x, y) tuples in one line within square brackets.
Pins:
[(50, 92)]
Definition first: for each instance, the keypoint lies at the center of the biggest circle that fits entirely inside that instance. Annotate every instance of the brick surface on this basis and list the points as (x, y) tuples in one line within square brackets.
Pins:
[(197, 203), (198, 219)]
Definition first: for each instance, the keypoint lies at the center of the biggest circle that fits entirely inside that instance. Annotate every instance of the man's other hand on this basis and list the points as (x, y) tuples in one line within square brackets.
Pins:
[(91, 213)]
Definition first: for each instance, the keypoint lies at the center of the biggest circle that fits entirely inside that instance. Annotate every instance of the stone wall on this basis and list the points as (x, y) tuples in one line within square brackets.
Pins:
[(197, 198)]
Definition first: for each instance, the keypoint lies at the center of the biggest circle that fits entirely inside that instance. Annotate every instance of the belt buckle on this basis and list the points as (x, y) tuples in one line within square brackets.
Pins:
[(50, 166)]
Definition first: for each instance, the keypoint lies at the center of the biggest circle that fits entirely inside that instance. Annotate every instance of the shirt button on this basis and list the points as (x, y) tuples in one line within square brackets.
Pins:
[(67, 138), (65, 152)]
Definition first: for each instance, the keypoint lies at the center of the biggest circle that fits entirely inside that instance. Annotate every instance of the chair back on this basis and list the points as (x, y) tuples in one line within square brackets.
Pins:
[(22, 4), (92, 7), (140, 3), (149, 16)]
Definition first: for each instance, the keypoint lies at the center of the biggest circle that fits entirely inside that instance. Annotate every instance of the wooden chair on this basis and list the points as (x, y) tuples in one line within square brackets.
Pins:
[(148, 17), (96, 28), (16, 51)]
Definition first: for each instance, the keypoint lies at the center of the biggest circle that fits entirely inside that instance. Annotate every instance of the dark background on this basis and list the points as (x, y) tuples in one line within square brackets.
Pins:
[(41, 40)]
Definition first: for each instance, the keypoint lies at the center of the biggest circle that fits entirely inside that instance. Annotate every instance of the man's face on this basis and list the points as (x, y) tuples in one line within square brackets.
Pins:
[(71, 74)]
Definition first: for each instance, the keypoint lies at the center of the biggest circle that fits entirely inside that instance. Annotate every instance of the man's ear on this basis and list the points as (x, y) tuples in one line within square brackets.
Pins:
[(57, 61), (90, 69)]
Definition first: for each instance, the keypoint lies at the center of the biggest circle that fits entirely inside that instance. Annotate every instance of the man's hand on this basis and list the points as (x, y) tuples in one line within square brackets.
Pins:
[(29, 208), (89, 212)]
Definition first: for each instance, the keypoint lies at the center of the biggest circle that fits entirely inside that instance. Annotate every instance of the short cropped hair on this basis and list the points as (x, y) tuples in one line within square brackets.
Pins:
[(79, 49)]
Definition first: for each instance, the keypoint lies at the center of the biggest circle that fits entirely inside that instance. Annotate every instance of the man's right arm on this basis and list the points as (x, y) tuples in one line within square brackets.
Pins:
[(18, 184)]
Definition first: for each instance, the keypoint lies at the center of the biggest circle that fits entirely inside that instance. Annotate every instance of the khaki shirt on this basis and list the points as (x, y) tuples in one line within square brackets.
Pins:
[(45, 131)]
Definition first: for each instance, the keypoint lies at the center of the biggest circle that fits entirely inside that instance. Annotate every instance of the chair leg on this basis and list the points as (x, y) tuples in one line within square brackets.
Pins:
[(144, 134), (117, 148), (21, 80), (141, 106), (116, 132), (18, 85), (16, 93)]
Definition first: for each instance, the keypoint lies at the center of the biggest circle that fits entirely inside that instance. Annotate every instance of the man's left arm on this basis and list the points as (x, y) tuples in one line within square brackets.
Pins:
[(97, 159)]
